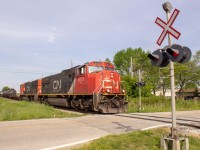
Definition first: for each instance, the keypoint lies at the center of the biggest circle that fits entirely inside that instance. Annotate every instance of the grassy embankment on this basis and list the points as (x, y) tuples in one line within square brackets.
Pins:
[(161, 104), (139, 140), (22, 110)]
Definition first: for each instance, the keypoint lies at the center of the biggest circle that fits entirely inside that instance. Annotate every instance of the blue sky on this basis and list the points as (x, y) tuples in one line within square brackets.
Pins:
[(42, 37)]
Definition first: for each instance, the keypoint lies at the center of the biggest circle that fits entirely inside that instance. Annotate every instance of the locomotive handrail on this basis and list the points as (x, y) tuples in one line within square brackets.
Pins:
[(96, 89), (94, 95), (100, 89)]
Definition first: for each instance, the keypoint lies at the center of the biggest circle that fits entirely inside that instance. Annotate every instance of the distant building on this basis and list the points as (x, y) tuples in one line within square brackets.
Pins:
[(167, 93), (188, 93)]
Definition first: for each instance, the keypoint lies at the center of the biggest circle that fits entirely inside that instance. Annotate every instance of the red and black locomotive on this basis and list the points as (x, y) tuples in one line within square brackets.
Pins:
[(93, 86)]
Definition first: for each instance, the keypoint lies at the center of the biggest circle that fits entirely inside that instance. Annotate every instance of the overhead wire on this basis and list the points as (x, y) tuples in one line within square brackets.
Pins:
[(26, 72)]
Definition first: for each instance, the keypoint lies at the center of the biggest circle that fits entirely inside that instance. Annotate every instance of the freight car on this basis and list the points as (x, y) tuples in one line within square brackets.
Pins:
[(93, 86), (11, 93)]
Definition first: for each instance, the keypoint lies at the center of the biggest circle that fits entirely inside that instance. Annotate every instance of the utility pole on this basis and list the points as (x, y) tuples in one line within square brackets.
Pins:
[(139, 82), (71, 63), (140, 103), (131, 68)]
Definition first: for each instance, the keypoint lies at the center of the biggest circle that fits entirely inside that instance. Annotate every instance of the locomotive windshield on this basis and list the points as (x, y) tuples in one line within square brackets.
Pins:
[(94, 68)]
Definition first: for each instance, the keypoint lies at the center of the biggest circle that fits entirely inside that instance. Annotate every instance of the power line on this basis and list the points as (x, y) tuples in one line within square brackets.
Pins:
[(26, 72)]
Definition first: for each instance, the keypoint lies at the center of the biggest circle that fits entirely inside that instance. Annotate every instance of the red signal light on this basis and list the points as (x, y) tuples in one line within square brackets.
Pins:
[(175, 54)]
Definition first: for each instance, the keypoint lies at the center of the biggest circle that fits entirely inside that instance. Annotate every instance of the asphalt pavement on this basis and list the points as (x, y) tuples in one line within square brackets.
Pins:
[(67, 132)]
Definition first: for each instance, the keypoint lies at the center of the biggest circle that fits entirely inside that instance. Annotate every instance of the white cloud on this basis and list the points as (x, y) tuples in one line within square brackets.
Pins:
[(19, 32), (53, 28), (52, 39)]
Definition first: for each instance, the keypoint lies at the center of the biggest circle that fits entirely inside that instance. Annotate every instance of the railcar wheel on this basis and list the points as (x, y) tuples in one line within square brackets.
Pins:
[(86, 109), (75, 104), (101, 111), (45, 102)]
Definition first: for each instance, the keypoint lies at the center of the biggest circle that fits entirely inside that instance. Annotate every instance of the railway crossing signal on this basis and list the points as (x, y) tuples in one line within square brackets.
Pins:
[(178, 53), (159, 58), (175, 53), (139, 84)]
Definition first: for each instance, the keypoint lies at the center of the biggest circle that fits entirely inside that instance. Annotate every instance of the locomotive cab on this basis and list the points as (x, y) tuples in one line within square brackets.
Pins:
[(97, 77)]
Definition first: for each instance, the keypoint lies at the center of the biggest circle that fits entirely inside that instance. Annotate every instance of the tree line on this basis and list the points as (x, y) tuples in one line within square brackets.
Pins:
[(5, 88), (186, 75)]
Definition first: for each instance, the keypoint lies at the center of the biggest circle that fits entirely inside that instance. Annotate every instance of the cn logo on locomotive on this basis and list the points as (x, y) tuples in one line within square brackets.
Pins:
[(28, 89), (57, 84)]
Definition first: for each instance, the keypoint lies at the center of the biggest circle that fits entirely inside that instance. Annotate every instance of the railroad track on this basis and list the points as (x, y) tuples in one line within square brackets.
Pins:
[(189, 122)]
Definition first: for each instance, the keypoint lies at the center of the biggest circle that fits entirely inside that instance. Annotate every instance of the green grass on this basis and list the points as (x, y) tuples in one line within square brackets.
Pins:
[(139, 140), (13, 110), (22, 110), (161, 104)]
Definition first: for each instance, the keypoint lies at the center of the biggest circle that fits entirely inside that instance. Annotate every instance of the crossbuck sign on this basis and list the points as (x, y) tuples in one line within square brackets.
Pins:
[(167, 27)]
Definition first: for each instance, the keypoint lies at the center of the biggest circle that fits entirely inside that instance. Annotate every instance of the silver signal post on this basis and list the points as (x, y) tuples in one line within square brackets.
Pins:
[(168, 7), (173, 136)]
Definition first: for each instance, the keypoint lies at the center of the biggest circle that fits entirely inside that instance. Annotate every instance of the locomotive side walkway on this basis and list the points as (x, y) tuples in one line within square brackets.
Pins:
[(66, 132)]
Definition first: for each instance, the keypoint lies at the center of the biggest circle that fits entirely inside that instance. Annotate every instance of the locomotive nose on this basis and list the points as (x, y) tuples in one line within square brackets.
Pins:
[(111, 83)]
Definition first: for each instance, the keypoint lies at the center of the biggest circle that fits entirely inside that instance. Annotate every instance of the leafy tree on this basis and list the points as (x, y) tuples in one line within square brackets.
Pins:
[(5, 88), (122, 62), (164, 74), (190, 85), (152, 78), (129, 84), (186, 73), (196, 57), (108, 60), (196, 60)]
